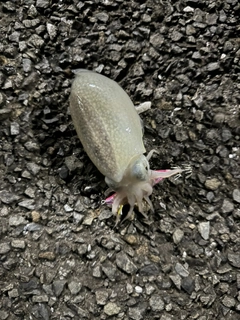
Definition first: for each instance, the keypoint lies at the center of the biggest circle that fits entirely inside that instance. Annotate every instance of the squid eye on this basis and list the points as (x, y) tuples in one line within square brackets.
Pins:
[(139, 174), (140, 170)]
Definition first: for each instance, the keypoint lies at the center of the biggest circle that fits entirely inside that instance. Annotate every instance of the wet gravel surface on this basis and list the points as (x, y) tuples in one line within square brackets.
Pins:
[(60, 255)]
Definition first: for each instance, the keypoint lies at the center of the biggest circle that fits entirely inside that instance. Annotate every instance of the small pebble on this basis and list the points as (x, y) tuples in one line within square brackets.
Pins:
[(212, 184), (101, 296), (181, 270), (15, 221), (35, 216), (74, 286), (213, 66), (67, 208), (52, 30), (47, 255), (156, 303), (111, 309), (4, 248), (138, 289), (125, 263), (188, 9), (177, 236), (236, 195), (204, 229), (14, 129), (18, 244), (227, 206)]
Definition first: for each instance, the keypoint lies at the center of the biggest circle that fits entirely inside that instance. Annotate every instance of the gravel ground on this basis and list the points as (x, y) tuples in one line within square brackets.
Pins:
[(60, 255)]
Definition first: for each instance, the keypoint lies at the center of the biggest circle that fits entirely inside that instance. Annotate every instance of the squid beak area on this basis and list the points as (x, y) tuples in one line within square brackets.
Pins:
[(157, 176), (125, 211)]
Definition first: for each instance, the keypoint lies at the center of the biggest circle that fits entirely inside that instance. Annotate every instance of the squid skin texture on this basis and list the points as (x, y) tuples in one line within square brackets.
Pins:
[(106, 122), (110, 130)]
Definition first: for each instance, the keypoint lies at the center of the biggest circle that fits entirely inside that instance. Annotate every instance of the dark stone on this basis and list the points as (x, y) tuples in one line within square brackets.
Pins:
[(149, 270), (188, 284)]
